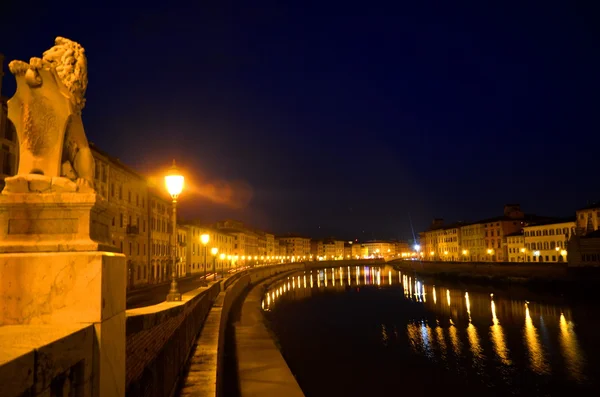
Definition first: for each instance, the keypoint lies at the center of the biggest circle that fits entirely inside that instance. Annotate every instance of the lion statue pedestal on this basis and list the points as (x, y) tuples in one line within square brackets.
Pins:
[(57, 265)]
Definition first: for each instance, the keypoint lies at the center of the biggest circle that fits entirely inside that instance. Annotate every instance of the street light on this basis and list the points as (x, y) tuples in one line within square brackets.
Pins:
[(523, 250), (490, 253), (537, 255), (214, 251), (174, 184), (204, 239)]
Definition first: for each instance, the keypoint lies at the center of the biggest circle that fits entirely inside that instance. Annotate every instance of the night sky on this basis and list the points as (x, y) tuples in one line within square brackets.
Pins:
[(338, 117)]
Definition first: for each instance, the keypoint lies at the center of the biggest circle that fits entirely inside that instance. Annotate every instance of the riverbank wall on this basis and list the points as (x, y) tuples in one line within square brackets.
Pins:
[(499, 270)]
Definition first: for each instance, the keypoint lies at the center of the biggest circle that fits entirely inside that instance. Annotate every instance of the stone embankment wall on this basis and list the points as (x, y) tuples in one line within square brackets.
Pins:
[(349, 262), (497, 270), (161, 337), (204, 375)]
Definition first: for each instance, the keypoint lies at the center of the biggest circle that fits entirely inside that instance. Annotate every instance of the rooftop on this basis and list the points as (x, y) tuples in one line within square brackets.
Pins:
[(590, 206)]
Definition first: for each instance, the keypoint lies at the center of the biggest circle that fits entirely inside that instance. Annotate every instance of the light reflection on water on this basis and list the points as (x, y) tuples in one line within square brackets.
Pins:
[(478, 321)]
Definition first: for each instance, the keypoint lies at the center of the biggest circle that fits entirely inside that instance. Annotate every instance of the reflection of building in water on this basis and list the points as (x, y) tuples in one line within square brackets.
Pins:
[(497, 336), (537, 357), (570, 349)]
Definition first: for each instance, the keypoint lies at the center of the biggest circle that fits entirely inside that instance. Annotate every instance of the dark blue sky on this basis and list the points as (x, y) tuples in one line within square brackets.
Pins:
[(341, 117)]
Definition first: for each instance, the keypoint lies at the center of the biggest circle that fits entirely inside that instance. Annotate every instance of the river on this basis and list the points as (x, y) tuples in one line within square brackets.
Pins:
[(374, 331)]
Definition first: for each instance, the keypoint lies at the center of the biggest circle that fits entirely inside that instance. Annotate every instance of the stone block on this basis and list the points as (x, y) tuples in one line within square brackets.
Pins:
[(53, 222), (39, 183), (61, 184), (61, 287), (109, 365)]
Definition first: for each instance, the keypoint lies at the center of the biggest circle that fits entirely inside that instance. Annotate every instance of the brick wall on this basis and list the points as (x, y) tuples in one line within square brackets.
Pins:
[(158, 344)]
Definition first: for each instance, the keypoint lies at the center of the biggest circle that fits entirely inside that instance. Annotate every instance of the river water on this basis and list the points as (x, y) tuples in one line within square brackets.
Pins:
[(374, 331)]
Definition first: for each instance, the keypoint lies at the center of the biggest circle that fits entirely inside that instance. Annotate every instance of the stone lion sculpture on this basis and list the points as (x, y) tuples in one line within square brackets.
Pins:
[(54, 152)]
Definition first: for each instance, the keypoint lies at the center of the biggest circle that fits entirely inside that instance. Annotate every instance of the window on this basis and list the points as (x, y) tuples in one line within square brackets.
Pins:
[(113, 222), (492, 233), (120, 192), (121, 247), (130, 249), (121, 220), (129, 220), (144, 226), (129, 196), (137, 200), (144, 251), (138, 248), (112, 190)]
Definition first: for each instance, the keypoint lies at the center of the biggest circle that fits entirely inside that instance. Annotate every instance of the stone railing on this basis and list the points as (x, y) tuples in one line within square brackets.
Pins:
[(48, 360)]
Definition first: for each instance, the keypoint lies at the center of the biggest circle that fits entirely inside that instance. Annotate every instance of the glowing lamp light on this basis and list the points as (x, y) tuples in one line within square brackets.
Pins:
[(417, 247), (174, 181), (204, 238), (563, 252), (214, 251), (523, 250), (465, 252), (222, 256), (536, 253)]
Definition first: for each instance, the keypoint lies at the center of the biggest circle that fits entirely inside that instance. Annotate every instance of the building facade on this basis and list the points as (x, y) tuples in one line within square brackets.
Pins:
[(547, 242), (8, 137), (297, 246), (126, 193), (515, 243), (161, 235), (588, 219)]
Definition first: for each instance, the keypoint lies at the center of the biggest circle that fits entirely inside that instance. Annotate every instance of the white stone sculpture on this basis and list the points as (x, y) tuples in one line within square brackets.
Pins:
[(54, 155)]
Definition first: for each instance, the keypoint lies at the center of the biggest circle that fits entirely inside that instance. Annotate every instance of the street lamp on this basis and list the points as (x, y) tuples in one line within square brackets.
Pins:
[(490, 253), (174, 184), (204, 240), (523, 250), (537, 255), (214, 251)]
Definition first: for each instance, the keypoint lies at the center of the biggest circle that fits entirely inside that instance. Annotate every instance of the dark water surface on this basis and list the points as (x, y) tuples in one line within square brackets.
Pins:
[(366, 331)]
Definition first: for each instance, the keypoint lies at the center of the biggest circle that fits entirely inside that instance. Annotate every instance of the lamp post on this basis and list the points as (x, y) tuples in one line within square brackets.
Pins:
[(523, 250), (490, 253), (174, 184), (204, 240), (214, 251)]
